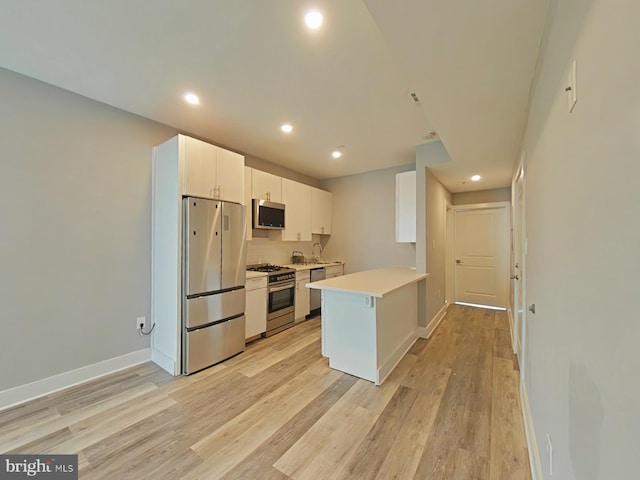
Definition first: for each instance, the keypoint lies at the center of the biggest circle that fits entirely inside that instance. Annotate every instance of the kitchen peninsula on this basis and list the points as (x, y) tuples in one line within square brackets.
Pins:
[(370, 319)]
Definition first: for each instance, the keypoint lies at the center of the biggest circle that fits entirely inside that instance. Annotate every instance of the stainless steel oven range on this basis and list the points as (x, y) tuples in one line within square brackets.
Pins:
[(281, 296)]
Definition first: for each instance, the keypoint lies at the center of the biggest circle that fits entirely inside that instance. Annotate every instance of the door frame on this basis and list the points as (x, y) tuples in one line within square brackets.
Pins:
[(519, 238), (450, 271)]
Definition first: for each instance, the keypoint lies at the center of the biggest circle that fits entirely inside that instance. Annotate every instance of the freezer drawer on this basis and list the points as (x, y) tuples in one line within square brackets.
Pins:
[(207, 346), (211, 308)]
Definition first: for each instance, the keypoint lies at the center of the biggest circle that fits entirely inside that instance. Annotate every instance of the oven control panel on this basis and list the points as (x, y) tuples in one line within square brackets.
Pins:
[(282, 277)]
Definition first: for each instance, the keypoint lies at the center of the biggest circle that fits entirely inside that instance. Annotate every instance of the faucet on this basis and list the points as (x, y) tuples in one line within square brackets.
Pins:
[(319, 247)]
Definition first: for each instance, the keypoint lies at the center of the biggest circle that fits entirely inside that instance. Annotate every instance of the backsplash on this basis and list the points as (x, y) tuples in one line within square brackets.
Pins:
[(278, 252)]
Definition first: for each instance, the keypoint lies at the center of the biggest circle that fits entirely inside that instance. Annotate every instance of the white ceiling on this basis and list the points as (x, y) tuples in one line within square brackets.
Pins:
[(255, 66)]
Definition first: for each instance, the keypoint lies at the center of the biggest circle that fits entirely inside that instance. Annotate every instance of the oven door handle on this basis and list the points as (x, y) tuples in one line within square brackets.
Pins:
[(279, 289)]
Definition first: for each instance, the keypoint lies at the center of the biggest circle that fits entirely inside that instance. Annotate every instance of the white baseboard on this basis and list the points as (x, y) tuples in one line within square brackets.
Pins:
[(511, 330), (425, 332), (532, 443), (510, 313), (39, 388), (385, 370), (165, 362)]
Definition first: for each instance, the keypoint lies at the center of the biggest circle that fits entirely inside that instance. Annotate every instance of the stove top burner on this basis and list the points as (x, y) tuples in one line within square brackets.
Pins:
[(267, 268)]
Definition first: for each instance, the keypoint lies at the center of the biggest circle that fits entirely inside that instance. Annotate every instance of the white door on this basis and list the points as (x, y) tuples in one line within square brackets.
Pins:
[(480, 246), (519, 300)]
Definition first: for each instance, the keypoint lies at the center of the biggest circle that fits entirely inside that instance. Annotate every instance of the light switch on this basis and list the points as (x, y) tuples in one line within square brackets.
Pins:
[(571, 89)]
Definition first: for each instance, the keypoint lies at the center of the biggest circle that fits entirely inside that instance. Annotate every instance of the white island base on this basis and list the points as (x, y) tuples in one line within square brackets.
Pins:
[(370, 320)]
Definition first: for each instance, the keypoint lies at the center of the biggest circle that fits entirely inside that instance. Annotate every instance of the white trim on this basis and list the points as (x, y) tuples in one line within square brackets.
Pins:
[(480, 206), (451, 242), (479, 305), (387, 367), (532, 443), (426, 332), (46, 386), (164, 361), (511, 331)]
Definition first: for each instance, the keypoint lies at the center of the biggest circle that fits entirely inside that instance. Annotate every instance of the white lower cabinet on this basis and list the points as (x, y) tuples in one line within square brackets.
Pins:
[(332, 271), (256, 307), (302, 295)]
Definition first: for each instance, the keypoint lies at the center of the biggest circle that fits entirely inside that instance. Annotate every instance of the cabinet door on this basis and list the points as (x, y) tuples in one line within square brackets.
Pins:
[(256, 312), (302, 300), (247, 201), (320, 211), (297, 199), (406, 207), (266, 186), (230, 176), (199, 168)]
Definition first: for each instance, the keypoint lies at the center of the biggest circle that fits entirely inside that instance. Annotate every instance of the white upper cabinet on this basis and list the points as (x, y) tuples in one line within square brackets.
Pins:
[(230, 176), (406, 207), (266, 186), (212, 172), (320, 211), (248, 172), (297, 200), (200, 160)]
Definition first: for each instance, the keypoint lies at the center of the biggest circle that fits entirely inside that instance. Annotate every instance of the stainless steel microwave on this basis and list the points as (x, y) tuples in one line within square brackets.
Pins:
[(268, 215)]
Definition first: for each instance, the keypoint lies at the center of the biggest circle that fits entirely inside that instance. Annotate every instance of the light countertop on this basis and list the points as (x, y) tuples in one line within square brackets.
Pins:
[(309, 266), (376, 283)]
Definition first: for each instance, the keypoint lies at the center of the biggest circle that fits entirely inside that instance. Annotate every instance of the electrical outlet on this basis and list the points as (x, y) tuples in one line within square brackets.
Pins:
[(550, 452), (141, 322)]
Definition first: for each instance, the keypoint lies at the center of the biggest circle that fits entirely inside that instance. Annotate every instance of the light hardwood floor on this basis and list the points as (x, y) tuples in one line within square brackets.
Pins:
[(450, 410)]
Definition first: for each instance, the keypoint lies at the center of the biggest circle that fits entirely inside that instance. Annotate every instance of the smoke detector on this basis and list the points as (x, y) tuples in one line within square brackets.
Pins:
[(430, 136)]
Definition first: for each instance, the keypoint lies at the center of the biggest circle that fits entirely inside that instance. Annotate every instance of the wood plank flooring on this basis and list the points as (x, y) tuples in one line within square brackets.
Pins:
[(450, 410)]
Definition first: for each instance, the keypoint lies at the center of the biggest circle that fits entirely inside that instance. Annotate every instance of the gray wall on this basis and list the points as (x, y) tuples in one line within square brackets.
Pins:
[(437, 199), (266, 166), (363, 224), (75, 199), (431, 202), (583, 228), (482, 196)]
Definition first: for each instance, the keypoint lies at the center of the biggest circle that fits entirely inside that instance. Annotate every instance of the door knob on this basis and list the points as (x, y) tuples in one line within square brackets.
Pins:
[(515, 277), (459, 262), (532, 308)]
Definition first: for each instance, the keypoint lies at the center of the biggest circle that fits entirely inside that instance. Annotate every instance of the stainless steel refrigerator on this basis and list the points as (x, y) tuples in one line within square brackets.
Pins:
[(213, 280)]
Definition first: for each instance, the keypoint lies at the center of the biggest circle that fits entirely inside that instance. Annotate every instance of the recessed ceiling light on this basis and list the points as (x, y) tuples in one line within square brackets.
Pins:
[(192, 98), (286, 128), (475, 178), (313, 19), (336, 154)]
